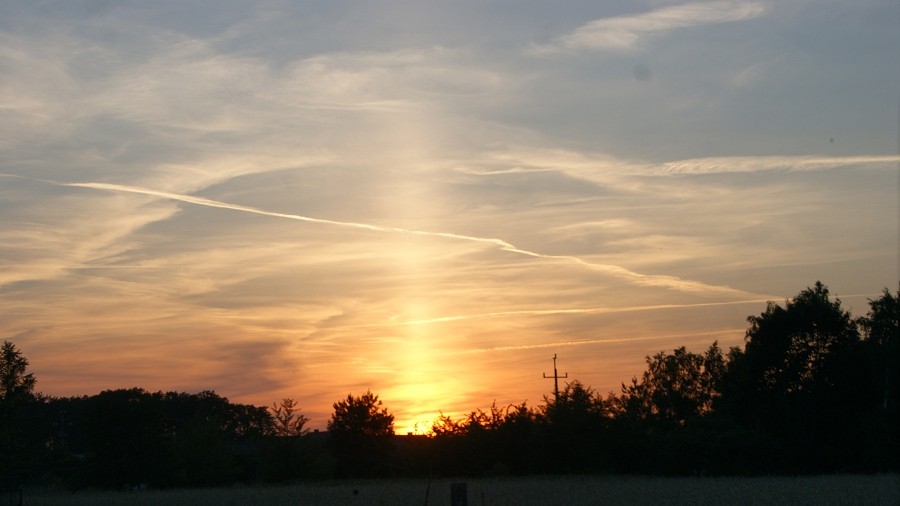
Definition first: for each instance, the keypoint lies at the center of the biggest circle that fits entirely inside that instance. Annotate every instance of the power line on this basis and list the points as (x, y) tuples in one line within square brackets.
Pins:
[(555, 377)]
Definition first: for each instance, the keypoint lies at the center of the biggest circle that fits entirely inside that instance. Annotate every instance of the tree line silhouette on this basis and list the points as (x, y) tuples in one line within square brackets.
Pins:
[(813, 390)]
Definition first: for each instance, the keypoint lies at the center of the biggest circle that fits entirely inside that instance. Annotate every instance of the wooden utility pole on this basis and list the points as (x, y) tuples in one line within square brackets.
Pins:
[(555, 377)]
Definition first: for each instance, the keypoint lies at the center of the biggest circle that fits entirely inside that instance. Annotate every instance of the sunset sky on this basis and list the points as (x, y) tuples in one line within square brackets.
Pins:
[(431, 199)]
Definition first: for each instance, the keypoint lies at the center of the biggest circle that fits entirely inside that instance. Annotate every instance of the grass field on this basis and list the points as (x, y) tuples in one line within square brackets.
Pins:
[(537, 491)]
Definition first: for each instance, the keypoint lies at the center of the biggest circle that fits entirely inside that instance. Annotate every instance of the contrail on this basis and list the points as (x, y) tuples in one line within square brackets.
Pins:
[(582, 342), (591, 310), (672, 282), (736, 164)]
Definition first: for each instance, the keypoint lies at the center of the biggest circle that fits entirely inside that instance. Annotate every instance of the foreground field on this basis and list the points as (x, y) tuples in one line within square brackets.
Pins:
[(537, 491)]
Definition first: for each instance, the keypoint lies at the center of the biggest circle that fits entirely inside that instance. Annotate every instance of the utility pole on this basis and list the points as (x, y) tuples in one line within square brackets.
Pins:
[(555, 377)]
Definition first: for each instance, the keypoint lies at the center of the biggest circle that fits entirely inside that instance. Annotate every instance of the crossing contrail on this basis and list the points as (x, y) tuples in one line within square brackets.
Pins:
[(589, 310), (584, 342), (671, 282)]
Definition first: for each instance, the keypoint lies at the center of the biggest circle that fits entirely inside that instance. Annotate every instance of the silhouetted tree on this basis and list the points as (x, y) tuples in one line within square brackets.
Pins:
[(15, 382), (446, 425), (575, 423), (130, 437), (518, 440), (208, 429), (289, 455), (802, 378), (881, 329), (360, 430), (880, 425), (675, 387), (496, 441), (126, 434), (665, 416), (361, 415), (577, 407), (288, 419), (66, 422), (806, 393), (452, 448), (22, 434)]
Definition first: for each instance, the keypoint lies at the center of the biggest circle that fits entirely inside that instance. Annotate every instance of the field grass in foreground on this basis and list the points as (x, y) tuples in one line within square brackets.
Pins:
[(537, 491)]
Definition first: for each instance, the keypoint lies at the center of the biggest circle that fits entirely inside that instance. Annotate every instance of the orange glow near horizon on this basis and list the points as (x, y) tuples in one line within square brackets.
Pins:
[(423, 384), (416, 376)]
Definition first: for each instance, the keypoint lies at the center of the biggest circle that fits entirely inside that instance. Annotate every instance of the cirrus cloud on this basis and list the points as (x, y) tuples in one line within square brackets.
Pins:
[(624, 33)]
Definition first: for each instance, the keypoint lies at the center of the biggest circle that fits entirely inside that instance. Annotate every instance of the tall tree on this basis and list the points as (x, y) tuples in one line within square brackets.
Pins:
[(15, 382), (796, 347), (362, 415), (881, 425), (664, 418), (675, 387), (21, 416), (801, 377), (577, 407), (360, 429), (881, 328), (575, 423)]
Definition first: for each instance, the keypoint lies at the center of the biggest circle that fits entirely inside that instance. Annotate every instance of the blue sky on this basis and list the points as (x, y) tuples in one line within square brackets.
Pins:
[(430, 199)]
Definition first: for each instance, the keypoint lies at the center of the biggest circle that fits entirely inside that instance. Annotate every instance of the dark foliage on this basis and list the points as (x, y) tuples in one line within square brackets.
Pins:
[(878, 424), (22, 452), (813, 390), (291, 458), (802, 378), (360, 433), (133, 438), (288, 420), (808, 393), (575, 426), (494, 442)]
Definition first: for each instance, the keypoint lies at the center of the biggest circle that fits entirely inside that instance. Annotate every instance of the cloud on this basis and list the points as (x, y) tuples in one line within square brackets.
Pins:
[(661, 281), (736, 164), (624, 33), (44, 239), (604, 169), (175, 112)]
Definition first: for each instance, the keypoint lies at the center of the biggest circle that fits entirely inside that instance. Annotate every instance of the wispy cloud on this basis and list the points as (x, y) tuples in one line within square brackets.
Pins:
[(605, 169), (44, 239), (729, 164), (624, 33)]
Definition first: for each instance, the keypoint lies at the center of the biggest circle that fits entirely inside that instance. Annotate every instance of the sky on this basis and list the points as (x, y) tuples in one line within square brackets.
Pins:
[(430, 200)]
